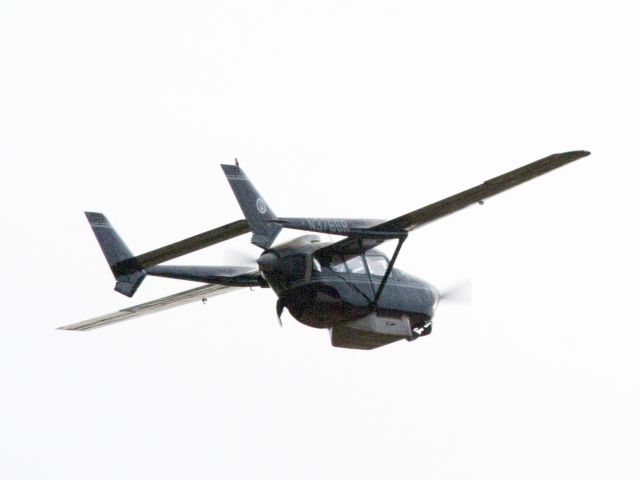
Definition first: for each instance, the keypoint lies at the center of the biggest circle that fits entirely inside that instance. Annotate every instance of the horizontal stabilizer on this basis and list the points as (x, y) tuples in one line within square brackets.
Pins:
[(232, 276)]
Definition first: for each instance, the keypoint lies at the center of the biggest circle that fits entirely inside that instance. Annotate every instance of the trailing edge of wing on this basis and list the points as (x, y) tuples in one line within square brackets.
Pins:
[(164, 303), (178, 249), (442, 208)]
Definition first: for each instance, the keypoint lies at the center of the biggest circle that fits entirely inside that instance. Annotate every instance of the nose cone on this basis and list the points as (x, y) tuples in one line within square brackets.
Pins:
[(267, 262), (432, 295)]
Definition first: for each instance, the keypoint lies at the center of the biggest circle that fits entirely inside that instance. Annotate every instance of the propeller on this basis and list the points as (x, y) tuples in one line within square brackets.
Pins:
[(459, 293), (236, 256), (264, 262), (279, 309)]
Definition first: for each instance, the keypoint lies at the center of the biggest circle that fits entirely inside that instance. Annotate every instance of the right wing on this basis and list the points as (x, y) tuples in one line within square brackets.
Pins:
[(164, 303)]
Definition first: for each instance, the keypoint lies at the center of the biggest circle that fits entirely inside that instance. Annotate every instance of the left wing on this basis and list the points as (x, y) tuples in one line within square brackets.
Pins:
[(164, 303), (496, 185), (442, 208)]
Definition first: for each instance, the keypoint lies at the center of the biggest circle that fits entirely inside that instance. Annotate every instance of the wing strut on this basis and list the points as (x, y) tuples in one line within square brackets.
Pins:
[(359, 236), (401, 236)]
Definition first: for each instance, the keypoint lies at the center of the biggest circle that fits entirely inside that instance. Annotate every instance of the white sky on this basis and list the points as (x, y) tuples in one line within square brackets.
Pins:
[(334, 108)]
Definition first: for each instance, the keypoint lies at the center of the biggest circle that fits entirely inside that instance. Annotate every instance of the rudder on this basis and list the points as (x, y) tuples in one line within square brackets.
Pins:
[(255, 209), (114, 250)]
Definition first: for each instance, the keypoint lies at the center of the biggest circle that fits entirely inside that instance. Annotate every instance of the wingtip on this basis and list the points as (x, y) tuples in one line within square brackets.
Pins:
[(572, 155), (229, 169), (72, 327), (95, 216)]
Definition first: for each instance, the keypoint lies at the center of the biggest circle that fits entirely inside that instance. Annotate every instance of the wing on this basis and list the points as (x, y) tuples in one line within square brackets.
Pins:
[(424, 215), (177, 249), (496, 185), (164, 303)]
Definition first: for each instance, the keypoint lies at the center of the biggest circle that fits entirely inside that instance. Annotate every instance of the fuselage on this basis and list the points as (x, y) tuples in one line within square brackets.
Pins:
[(323, 293)]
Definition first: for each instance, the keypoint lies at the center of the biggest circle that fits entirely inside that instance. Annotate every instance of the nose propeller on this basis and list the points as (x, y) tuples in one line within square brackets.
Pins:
[(459, 293)]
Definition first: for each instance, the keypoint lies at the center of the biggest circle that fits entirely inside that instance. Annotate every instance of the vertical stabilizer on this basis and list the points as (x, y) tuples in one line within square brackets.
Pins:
[(255, 209), (114, 250)]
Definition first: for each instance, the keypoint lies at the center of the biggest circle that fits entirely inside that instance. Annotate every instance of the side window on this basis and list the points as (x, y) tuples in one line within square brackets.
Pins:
[(356, 265), (377, 264), (337, 264), (316, 265)]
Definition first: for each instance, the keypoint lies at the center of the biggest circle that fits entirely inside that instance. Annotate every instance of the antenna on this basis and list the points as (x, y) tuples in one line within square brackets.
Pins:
[(237, 163)]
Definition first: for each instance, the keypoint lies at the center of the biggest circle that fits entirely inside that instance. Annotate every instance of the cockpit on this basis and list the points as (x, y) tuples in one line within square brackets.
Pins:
[(372, 263)]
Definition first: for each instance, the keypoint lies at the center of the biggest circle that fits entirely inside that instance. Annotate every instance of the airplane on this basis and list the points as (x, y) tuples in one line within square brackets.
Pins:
[(348, 287)]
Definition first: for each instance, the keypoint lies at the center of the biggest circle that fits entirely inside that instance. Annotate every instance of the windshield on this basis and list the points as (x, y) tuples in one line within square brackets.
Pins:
[(356, 265), (377, 264)]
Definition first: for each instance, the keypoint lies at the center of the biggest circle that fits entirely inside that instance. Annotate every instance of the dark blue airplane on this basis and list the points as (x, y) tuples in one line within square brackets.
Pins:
[(348, 286)]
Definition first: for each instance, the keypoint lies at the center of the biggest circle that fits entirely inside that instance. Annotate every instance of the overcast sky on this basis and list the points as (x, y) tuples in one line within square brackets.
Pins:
[(334, 108)]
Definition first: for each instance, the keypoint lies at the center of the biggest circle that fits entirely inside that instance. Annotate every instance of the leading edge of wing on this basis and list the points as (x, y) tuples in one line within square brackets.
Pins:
[(164, 303)]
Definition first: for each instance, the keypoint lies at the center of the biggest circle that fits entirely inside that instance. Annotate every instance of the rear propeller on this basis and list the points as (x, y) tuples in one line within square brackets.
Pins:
[(236, 256), (241, 257)]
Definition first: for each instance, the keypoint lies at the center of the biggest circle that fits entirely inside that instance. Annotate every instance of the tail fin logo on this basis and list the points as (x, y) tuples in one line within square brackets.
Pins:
[(261, 206)]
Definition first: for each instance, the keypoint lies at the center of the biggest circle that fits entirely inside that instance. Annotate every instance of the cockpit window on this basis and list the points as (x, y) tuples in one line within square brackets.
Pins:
[(337, 264), (377, 264), (356, 265)]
